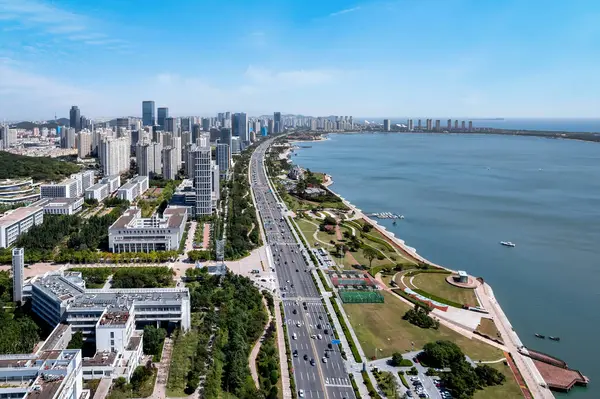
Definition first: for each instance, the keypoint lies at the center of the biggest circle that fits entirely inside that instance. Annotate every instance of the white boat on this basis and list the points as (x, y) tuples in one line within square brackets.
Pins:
[(401, 216), (507, 244)]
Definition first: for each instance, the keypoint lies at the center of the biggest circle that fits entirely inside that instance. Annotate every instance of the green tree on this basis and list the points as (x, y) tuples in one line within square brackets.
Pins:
[(153, 340), (396, 360), (76, 341), (370, 254)]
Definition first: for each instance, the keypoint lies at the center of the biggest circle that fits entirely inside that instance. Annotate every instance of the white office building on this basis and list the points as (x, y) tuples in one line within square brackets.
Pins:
[(114, 182), (200, 157), (114, 155), (69, 188), (133, 233), (133, 188), (49, 374), (16, 222), (216, 175), (98, 192), (84, 144), (61, 206), (148, 158), (85, 179), (18, 266), (236, 145), (170, 168)]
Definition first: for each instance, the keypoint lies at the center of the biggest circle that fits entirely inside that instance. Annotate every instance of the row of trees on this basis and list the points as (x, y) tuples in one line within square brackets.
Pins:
[(242, 226), (18, 332), (464, 379), (267, 364), (142, 277), (239, 322)]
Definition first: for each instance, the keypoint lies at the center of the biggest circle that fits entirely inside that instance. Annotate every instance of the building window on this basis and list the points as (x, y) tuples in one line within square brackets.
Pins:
[(112, 334)]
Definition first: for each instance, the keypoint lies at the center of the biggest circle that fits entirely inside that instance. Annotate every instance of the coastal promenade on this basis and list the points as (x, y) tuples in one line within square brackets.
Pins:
[(525, 365)]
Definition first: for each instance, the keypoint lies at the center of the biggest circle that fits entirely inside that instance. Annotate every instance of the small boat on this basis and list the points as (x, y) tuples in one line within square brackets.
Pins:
[(401, 216), (507, 244), (554, 338), (540, 336), (394, 223)]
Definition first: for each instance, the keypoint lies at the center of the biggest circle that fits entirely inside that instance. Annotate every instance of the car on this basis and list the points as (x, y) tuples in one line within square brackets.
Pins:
[(320, 317), (326, 332), (318, 326), (295, 353), (312, 362), (294, 336), (324, 359), (305, 357), (296, 270), (327, 354), (330, 345), (313, 336), (297, 324), (294, 311), (319, 336), (301, 393)]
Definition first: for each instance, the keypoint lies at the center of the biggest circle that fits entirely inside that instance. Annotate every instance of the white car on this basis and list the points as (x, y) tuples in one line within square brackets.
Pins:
[(301, 393)]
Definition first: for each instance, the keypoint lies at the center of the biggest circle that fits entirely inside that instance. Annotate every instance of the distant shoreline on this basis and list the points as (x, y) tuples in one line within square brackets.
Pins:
[(580, 136)]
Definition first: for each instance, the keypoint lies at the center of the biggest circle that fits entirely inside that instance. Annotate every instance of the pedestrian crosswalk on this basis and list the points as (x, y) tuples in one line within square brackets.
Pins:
[(337, 382)]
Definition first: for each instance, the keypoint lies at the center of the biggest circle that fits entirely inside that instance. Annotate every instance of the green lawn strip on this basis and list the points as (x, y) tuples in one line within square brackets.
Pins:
[(351, 343), (436, 282), (288, 354), (369, 384), (324, 280), (403, 379), (438, 299), (354, 386), (381, 327), (184, 349), (510, 388)]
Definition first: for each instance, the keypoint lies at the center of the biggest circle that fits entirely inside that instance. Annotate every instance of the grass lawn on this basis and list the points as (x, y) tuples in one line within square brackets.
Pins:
[(488, 327), (510, 388), (436, 284), (184, 349), (381, 326)]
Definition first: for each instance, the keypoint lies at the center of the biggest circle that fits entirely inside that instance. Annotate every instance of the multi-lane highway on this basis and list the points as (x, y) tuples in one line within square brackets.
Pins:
[(317, 363)]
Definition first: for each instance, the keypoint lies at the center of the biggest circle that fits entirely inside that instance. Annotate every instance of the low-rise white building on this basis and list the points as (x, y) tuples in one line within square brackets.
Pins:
[(98, 191), (133, 188), (69, 188), (132, 233), (16, 222), (114, 182), (50, 374), (61, 206)]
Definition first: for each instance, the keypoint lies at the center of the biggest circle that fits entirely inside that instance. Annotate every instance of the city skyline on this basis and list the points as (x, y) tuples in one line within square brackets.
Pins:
[(306, 58)]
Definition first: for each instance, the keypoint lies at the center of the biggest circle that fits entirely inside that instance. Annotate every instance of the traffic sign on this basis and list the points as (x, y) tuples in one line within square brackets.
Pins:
[(336, 341)]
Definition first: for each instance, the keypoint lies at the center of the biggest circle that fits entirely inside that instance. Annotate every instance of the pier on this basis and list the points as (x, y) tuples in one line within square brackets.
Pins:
[(385, 215)]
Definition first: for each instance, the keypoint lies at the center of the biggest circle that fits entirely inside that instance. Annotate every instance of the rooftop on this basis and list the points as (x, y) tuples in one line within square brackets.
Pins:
[(57, 202), (131, 218), (100, 359), (97, 186), (11, 217), (114, 318)]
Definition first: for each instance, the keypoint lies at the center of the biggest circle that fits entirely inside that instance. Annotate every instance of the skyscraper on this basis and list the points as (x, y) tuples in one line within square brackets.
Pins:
[(456, 124), (18, 264), (75, 118), (171, 125), (67, 140), (470, 126), (225, 136), (240, 126), (114, 155), (437, 124), (169, 169), (386, 125), (271, 126), (277, 122), (223, 157), (186, 125), (84, 144), (200, 157), (148, 113), (449, 124), (429, 124), (163, 113), (206, 124)]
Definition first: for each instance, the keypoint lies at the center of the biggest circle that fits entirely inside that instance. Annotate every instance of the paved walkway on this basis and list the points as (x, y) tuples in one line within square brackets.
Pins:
[(160, 388), (206, 236), (256, 348), (103, 388)]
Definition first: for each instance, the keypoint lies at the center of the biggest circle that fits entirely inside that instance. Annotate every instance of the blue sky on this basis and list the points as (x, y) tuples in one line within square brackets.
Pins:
[(459, 58)]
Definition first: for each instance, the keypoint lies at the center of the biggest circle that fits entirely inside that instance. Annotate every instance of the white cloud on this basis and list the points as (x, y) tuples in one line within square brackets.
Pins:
[(45, 17), (346, 11)]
